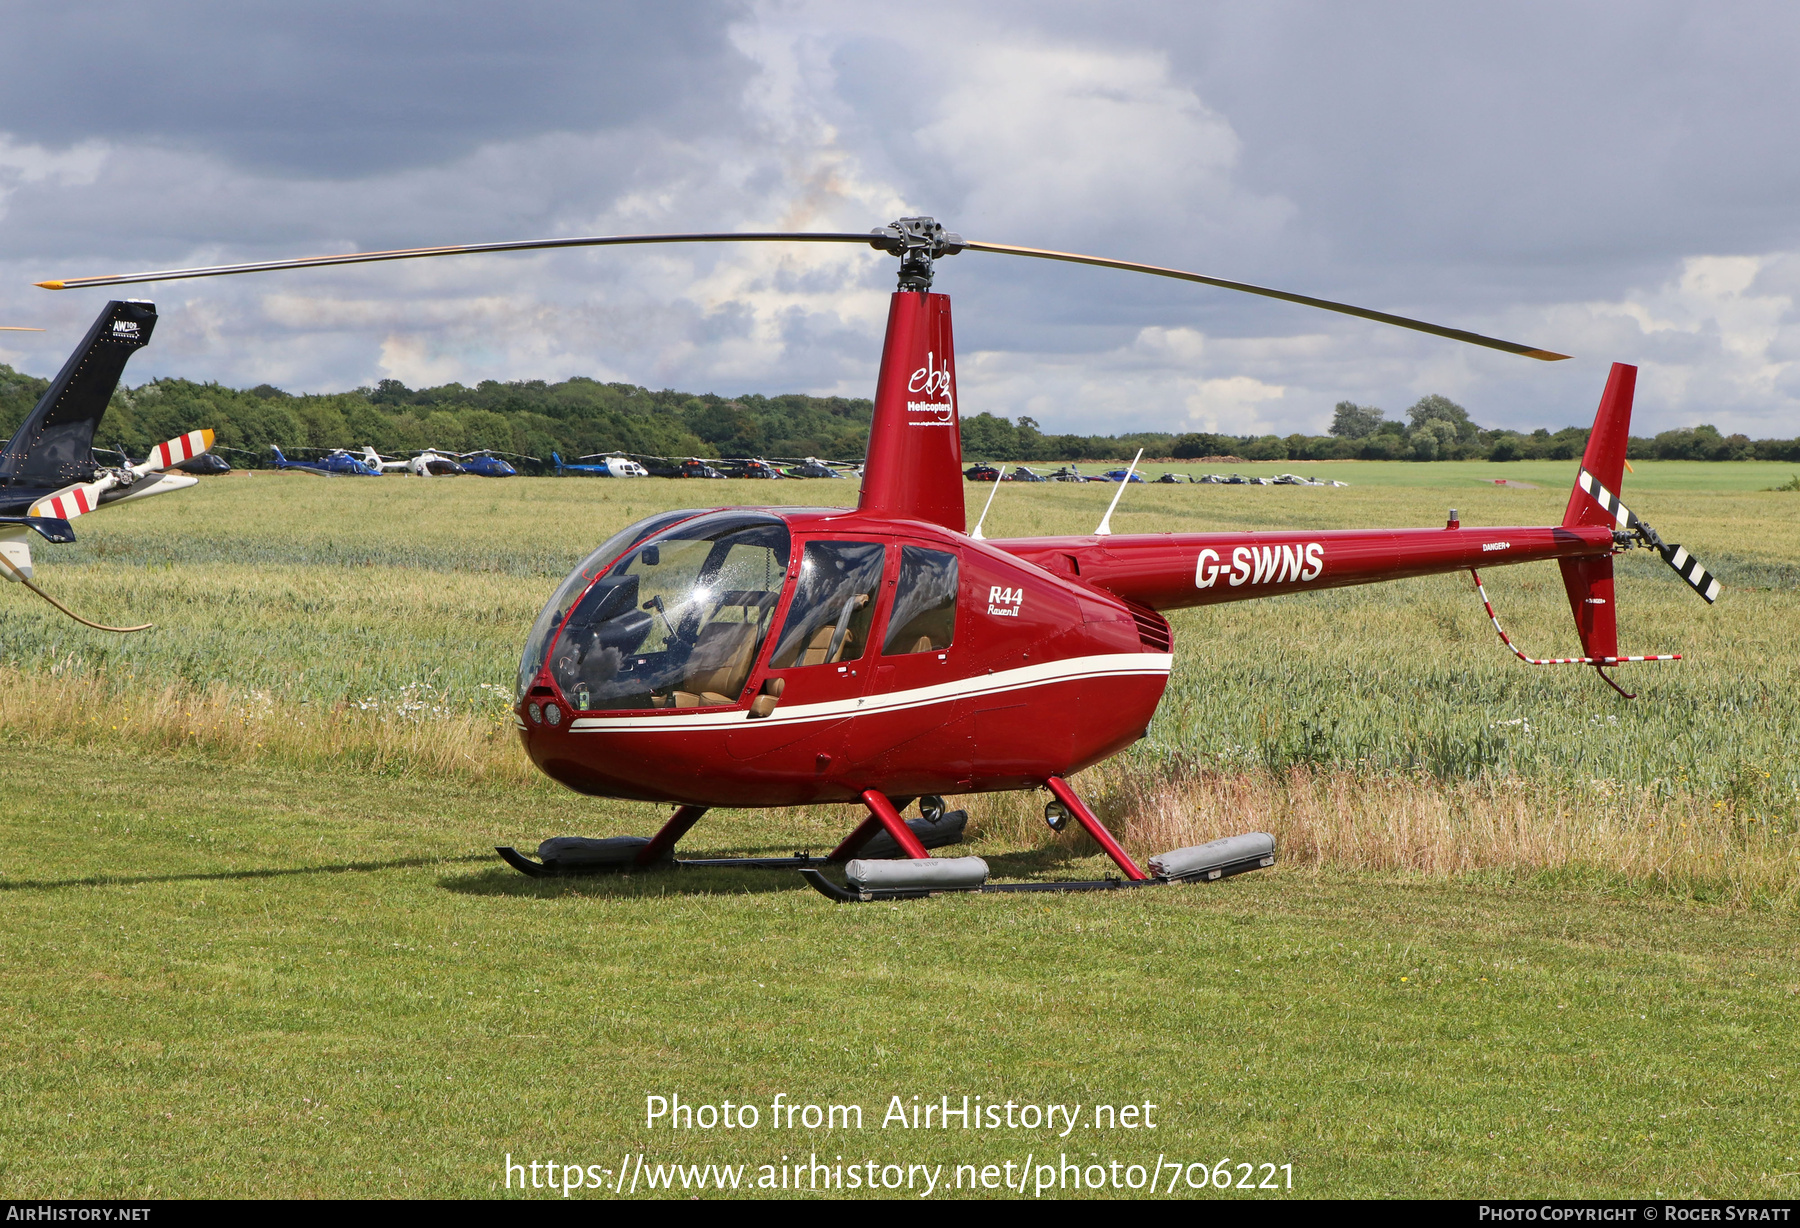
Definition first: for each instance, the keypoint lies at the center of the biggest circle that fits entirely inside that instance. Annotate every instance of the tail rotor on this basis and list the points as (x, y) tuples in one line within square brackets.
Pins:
[(80, 499), (1632, 531)]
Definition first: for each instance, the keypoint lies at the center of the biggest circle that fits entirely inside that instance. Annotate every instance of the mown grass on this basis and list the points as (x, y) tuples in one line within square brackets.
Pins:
[(260, 981), (1526, 938)]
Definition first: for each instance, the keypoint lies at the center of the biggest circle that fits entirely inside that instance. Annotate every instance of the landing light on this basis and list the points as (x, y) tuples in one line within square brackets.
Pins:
[(553, 714), (537, 713), (1057, 815)]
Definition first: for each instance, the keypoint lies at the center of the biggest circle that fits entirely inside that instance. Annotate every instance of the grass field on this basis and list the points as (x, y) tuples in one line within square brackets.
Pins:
[(1526, 938)]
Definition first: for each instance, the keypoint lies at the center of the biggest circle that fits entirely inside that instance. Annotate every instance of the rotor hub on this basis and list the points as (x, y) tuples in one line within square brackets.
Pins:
[(918, 241)]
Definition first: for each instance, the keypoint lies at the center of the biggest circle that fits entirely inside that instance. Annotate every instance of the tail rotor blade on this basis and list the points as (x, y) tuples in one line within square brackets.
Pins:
[(173, 452), (1688, 568), (73, 501), (1676, 556)]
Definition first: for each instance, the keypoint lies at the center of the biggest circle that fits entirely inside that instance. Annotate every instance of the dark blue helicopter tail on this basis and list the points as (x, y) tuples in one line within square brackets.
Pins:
[(54, 446)]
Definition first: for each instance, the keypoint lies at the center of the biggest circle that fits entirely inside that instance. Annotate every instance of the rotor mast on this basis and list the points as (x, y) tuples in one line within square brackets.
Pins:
[(918, 241)]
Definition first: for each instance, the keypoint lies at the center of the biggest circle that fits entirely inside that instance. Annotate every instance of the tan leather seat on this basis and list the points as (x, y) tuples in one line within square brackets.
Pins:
[(820, 643), (922, 644), (723, 657)]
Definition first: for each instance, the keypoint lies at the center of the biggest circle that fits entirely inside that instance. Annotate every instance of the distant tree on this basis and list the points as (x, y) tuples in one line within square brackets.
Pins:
[(1384, 445), (1506, 446), (1353, 421), (18, 395), (1435, 408), (390, 392), (730, 428), (1432, 439)]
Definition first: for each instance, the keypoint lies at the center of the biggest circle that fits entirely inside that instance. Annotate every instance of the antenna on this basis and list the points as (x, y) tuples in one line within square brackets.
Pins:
[(1105, 529), (984, 509)]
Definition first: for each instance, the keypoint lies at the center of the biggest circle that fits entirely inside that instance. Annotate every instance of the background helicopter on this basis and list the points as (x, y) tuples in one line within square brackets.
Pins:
[(785, 656), (607, 465), (336, 462), (426, 463), (812, 467), (488, 464)]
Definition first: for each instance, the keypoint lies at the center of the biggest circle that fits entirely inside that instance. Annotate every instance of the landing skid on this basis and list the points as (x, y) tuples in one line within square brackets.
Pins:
[(806, 864), (846, 895), (539, 869)]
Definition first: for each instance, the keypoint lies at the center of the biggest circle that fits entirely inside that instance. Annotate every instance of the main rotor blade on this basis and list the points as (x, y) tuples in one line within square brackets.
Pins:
[(18, 328), (1421, 326), (460, 249), (876, 239)]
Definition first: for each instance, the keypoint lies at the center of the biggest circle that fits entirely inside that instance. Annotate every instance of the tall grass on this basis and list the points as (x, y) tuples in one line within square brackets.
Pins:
[(1595, 833), (374, 626)]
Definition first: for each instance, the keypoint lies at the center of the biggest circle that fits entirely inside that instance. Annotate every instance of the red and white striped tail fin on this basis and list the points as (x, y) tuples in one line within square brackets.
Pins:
[(182, 448)]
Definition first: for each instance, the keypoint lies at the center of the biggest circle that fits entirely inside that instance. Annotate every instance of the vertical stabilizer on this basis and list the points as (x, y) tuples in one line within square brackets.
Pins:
[(54, 445), (1605, 455), (1589, 581), (914, 466)]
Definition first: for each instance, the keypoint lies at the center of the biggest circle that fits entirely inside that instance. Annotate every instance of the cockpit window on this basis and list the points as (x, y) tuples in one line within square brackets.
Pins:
[(834, 603), (924, 617), (676, 621), (557, 608)]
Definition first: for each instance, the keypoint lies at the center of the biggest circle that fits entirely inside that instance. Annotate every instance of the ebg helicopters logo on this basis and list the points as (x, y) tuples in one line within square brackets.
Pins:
[(931, 381)]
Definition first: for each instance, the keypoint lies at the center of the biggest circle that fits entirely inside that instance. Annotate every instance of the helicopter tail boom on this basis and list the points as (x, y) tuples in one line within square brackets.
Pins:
[(1170, 571)]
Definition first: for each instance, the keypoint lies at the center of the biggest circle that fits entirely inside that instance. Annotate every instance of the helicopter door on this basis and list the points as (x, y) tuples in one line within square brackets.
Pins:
[(822, 653), (916, 747)]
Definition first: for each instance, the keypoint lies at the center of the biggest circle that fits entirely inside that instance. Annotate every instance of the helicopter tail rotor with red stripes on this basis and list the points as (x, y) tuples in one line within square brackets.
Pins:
[(50, 515), (123, 482)]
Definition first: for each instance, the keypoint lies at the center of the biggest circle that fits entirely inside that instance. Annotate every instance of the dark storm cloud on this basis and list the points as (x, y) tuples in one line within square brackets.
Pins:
[(347, 89), (1575, 138), (1615, 182)]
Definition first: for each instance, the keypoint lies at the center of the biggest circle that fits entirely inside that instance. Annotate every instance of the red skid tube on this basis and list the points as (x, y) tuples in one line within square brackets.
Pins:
[(889, 818), (1094, 828)]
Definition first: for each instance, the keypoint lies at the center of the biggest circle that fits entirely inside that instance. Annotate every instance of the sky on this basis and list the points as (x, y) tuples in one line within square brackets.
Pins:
[(1617, 182)]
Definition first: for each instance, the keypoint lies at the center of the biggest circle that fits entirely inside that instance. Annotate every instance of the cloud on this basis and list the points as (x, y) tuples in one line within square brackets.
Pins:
[(21, 163), (342, 89), (1617, 194)]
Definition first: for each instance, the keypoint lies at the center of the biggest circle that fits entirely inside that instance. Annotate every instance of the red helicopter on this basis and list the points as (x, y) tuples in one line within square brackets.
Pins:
[(781, 656)]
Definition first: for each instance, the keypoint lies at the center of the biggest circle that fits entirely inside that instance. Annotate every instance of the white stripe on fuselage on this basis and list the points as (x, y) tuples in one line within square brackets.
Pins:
[(687, 720)]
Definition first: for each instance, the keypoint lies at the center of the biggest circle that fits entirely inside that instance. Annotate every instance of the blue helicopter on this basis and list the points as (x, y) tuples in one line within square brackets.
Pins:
[(610, 465), (338, 462), (487, 464)]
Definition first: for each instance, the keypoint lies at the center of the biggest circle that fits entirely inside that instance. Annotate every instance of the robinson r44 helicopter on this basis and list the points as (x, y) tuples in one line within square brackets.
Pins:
[(782, 656)]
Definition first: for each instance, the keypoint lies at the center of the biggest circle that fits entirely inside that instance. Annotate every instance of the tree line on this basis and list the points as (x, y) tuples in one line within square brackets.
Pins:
[(580, 416)]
